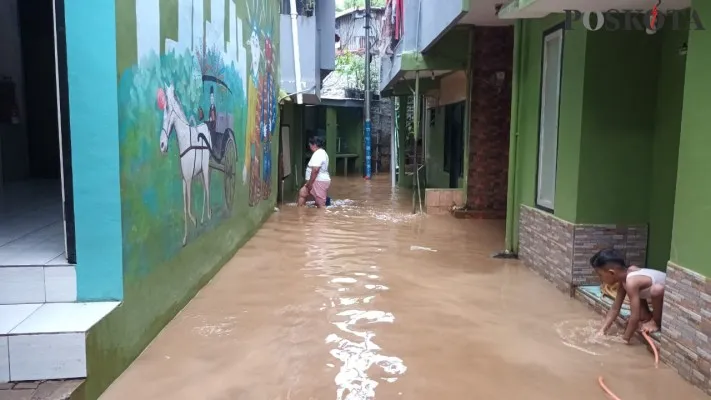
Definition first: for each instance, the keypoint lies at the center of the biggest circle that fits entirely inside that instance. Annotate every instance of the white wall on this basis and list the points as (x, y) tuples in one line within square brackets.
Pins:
[(13, 138)]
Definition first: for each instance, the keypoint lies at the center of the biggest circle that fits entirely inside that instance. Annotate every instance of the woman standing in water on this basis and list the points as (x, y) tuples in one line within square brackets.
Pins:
[(317, 178)]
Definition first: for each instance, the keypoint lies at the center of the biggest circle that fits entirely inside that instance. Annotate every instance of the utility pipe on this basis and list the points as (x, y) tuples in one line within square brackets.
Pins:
[(393, 143), (511, 198), (416, 122), (295, 44), (368, 162)]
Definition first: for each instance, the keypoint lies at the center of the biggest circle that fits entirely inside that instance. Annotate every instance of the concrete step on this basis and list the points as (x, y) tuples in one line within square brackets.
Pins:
[(38, 284), (46, 341)]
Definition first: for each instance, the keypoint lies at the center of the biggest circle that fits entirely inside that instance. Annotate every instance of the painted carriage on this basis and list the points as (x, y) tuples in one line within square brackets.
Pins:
[(224, 153)]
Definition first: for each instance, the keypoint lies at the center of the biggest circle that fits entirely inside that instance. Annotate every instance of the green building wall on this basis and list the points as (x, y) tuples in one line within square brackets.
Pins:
[(292, 116), (437, 177), (692, 217), (665, 149), (619, 124), (571, 105), (349, 129)]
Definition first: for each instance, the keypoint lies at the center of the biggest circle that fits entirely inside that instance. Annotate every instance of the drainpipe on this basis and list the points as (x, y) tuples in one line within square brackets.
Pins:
[(393, 143), (295, 45), (511, 197)]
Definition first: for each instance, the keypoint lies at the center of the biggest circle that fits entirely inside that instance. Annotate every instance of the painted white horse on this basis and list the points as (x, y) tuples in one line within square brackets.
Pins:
[(194, 144)]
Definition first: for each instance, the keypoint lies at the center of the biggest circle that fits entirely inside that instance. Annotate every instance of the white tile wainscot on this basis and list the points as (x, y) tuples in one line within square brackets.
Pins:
[(47, 341), (20, 285), (38, 284)]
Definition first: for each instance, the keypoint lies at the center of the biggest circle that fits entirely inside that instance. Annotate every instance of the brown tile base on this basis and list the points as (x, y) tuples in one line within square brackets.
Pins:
[(473, 214), (560, 250), (686, 325), (442, 201), (39, 390)]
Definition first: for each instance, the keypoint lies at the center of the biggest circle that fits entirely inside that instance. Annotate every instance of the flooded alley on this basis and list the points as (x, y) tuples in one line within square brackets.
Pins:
[(368, 301)]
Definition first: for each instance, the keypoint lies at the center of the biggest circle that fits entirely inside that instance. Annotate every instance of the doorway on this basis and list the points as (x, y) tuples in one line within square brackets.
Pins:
[(36, 196), (454, 142)]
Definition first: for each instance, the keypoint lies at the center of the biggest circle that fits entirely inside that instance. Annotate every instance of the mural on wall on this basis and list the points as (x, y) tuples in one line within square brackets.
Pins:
[(197, 104), (262, 89)]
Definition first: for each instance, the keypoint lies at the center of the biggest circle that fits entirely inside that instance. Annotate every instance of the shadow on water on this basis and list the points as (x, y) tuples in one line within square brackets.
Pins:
[(367, 301)]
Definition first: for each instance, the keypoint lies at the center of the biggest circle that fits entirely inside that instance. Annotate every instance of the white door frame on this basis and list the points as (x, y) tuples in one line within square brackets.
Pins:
[(555, 35)]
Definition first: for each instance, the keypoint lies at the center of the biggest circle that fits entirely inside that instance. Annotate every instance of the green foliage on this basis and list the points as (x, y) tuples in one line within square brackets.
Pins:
[(346, 4), (352, 67), (409, 121)]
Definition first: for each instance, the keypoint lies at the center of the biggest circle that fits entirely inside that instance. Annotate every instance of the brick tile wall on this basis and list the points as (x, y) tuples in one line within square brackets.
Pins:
[(546, 246), (686, 325), (630, 240), (490, 117), (560, 250)]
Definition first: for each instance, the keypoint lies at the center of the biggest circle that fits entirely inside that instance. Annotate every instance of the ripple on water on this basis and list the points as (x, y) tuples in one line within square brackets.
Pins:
[(583, 335), (355, 347), (344, 280), (352, 380)]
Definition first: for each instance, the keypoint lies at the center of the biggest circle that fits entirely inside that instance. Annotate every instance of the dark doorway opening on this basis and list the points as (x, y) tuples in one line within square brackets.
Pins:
[(36, 195), (454, 142)]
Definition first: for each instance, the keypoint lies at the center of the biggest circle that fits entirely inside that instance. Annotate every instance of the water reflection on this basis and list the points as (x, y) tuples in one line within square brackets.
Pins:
[(351, 292), (353, 302)]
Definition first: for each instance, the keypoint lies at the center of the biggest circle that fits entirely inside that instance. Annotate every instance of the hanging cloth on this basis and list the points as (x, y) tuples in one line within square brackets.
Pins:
[(387, 30), (399, 31)]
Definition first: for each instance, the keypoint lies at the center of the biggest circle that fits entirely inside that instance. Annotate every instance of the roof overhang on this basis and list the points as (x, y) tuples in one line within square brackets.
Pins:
[(518, 9)]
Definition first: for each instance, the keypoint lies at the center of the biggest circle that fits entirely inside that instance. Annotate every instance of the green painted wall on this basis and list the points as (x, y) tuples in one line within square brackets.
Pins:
[(331, 137), (350, 131), (692, 221), (569, 127), (161, 269), (401, 121), (437, 177), (618, 127), (292, 115), (570, 115), (630, 137), (617, 132), (665, 149)]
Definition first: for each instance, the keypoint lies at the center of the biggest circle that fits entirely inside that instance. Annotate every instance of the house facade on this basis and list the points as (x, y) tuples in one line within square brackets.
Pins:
[(170, 117), (455, 58), (607, 132), (604, 145)]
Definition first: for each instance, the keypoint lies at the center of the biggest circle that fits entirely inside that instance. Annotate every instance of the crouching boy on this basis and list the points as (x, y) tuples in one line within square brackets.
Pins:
[(642, 285)]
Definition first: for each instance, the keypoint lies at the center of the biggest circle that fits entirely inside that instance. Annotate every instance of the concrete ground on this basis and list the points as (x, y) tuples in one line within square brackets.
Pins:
[(365, 301)]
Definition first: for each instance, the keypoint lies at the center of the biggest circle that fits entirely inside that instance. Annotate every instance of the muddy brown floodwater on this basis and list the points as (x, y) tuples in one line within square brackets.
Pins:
[(367, 301)]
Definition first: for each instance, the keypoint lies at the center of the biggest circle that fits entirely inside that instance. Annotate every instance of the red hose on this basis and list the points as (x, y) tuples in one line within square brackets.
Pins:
[(654, 348), (656, 365), (606, 389)]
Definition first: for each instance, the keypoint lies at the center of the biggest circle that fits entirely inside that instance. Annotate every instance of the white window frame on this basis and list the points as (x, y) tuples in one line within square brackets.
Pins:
[(542, 199)]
